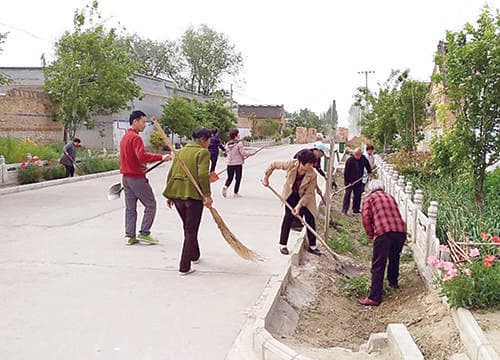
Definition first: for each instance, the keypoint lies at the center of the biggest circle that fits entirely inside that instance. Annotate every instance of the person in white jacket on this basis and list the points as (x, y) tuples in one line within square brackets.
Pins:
[(236, 156)]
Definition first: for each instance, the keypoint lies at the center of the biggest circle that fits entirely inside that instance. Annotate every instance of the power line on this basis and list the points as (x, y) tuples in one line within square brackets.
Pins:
[(25, 32)]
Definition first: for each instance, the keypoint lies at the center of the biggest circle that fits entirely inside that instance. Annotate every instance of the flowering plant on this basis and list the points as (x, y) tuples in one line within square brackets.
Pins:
[(473, 284)]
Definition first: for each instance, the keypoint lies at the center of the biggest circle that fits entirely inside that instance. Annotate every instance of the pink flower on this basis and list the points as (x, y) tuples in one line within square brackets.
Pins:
[(432, 261), (468, 272), (489, 260), (450, 274), (485, 236), (444, 248), (474, 252), (496, 239), (448, 266)]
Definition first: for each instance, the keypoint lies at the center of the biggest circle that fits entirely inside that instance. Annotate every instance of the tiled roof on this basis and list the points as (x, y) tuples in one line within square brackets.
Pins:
[(261, 111)]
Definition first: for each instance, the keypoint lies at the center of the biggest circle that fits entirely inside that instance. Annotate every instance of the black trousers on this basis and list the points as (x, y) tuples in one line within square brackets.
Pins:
[(356, 190), (293, 200), (386, 246), (190, 212), (231, 171), (70, 170), (213, 161)]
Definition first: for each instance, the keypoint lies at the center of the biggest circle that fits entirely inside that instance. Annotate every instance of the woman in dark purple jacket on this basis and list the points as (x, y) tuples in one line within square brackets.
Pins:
[(213, 147)]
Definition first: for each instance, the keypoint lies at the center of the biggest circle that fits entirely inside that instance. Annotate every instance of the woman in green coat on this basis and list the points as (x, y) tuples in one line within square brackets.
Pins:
[(181, 193)]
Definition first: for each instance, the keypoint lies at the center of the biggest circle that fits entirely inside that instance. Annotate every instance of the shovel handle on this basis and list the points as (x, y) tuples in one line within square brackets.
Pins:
[(155, 166), (333, 253)]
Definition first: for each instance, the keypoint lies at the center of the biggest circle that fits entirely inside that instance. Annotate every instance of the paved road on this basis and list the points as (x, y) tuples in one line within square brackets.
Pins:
[(70, 289)]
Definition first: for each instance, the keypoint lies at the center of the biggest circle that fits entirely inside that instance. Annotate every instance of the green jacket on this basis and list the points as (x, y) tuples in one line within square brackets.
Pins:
[(197, 159)]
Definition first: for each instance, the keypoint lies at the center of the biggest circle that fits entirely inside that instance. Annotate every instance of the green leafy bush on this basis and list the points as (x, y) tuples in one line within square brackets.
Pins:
[(15, 150), (472, 285), (412, 162), (53, 171), (94, 164), (29, 173)]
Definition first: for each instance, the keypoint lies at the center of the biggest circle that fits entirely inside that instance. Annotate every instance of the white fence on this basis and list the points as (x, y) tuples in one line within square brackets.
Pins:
[(421, 228)]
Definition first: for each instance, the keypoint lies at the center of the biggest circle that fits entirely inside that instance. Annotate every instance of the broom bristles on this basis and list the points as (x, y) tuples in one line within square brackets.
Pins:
[(237, 246)]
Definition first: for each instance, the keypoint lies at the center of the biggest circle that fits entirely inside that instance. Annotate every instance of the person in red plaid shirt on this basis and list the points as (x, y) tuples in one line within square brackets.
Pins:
[(385, 227)]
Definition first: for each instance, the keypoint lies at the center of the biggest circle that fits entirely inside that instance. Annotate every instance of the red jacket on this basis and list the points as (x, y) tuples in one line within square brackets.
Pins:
[(380, 215), (133, 155)]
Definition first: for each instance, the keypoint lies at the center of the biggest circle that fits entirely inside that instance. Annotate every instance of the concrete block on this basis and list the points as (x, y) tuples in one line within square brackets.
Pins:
[(376, 342), (401, 343)]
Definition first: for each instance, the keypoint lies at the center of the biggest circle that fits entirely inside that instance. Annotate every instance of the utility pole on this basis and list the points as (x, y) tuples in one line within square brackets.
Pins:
[(366, 72)]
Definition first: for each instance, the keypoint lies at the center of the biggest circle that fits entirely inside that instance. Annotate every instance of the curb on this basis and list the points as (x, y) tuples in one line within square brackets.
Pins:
[(48, 183), (475, 342)]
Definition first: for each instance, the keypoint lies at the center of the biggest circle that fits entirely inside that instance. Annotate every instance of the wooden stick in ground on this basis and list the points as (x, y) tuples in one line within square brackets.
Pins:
[(231, 239)]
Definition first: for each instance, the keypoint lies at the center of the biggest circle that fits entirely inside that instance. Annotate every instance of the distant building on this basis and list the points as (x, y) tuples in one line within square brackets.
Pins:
[(26, 109), (252, 117)]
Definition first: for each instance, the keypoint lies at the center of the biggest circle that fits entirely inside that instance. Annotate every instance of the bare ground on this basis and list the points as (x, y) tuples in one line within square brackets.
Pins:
[(330, 319)]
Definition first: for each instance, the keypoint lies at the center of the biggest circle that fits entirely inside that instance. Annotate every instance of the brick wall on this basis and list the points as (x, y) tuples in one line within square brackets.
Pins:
[(27, 114)]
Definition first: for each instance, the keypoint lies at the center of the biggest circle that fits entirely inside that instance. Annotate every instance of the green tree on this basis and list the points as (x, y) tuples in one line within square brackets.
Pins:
[(306, 118), (179, 116), (393, 116), (158, 58), (470, 75), (219, 116), (3, 78), (209, 57), (92, 73), (330, 118)]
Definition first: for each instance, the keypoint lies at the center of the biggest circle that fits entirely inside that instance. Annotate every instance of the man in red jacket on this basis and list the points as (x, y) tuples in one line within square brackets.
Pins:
[(133, 160), (386, 228)]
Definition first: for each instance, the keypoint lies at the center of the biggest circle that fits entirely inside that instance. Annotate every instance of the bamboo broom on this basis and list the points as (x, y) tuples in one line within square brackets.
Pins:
[(237, 246)]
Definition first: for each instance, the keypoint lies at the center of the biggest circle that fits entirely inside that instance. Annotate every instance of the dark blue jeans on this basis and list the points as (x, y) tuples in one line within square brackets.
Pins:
[(293, 200)]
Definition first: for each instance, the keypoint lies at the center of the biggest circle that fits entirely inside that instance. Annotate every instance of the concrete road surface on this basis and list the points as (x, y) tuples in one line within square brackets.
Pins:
[(71, 289)]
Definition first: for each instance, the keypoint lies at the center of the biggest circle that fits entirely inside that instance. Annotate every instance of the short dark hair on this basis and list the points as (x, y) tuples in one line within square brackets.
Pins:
[(233, 133), (137, 114), (369, 147), (306, 157), (214, 131), (77, 140), (201, 133)]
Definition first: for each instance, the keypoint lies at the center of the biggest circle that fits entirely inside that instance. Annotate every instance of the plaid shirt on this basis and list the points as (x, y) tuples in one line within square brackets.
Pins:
[(380, 215)]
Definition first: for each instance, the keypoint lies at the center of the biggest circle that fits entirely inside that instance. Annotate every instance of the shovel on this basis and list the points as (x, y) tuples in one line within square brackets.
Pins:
[(344, 268), (115, 190)]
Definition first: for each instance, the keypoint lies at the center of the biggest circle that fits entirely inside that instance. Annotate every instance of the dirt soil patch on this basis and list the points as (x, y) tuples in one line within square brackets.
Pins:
[(335, 320)]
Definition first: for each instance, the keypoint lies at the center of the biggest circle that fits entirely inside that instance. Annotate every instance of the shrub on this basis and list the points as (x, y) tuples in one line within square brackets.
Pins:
[(93, 164), (412, 162), (472, 285), (156, 140), (53, 171), (15, 149), (29, 173)]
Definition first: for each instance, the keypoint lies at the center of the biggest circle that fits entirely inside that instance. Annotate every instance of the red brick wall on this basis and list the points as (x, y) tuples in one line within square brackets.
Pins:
[(27, 114)]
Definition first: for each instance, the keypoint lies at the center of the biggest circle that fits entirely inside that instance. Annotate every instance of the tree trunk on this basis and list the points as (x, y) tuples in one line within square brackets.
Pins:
[(479, 175)]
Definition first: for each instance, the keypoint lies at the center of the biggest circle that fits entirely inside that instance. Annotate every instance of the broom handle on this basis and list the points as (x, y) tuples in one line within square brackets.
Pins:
[(348, 186), (259, 149), (333, 253), (183, 164)]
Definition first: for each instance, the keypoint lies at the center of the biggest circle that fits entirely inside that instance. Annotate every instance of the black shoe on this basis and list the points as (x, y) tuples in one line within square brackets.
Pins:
[(394, 286), (284, 251), (314, 251)]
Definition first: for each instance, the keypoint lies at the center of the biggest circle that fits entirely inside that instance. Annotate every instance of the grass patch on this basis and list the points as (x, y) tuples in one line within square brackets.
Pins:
[(355, 287), (406, 257), (342, 244), (15, 150)]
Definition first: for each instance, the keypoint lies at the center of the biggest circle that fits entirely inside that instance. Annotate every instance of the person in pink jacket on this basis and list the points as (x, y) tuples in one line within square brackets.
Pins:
[(236, 156)]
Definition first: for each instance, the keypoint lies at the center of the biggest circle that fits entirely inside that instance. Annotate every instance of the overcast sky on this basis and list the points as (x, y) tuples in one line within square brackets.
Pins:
[(297, 53)]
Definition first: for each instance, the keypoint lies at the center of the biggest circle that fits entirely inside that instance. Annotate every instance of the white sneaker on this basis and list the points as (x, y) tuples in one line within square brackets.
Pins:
[(237, 195), (224, 191), (195, 261), (187, 272)]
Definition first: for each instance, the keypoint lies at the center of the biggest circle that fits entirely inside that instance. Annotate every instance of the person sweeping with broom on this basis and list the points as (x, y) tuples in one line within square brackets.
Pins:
[(299, 193), (181, 193)]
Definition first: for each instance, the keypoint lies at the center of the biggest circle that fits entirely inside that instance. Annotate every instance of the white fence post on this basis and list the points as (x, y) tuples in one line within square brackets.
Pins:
[(408, 193), (418, 200), (432, 240), (394, 183), (3, 169)]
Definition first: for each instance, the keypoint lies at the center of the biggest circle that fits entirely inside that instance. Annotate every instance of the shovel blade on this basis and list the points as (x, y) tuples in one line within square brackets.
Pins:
[(115, 191)]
